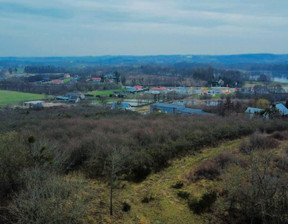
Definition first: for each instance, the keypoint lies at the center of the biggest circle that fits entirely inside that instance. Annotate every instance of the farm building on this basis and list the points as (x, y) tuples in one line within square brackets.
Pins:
[(131, 89), (62, 98), (34, 104), (174, 109), (121, 106), (282, 109), (73, 95), (252, 110)]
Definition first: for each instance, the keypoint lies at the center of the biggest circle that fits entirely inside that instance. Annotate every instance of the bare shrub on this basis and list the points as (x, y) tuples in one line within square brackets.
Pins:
[(47, 198), (280, 135), (207, 170), (257, 194), (258, 142), (212, 168), (14, 157), (224, 159), (281, 163)]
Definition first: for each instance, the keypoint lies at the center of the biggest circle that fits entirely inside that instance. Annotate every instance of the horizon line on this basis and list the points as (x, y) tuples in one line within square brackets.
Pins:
[(148, 55)]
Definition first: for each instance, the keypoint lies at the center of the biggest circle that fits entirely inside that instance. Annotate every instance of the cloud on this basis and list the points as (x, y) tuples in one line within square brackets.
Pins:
[(90, 27)]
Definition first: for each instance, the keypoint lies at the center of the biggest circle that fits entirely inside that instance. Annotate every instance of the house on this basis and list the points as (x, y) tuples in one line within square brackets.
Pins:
[(161, 89), (67, 76), (138, 87), (74, 99), (73, 95), (34, 104), (121, 106), (62, 98), (166, 108), (282, 109), (110, 76), (253, 111), (131, 89), (96, 79), (57, 81)]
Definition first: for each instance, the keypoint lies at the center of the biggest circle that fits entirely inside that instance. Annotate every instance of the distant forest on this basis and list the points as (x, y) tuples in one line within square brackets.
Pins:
[(248, 62)]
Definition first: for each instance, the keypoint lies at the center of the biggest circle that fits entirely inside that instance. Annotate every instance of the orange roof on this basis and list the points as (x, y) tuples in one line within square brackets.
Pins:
[(57, 81), (158, 88)]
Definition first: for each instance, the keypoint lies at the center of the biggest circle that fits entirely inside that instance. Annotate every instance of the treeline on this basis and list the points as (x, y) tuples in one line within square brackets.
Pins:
[(173, 75), (216, 77), (44, 69), (19, 85)]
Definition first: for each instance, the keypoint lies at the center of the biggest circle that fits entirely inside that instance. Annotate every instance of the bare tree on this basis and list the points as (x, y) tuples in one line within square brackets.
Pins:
[(116, 164)]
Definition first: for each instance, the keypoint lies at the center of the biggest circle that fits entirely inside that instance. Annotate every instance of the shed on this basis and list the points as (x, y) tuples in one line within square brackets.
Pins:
[(282, 109), (252, 110)]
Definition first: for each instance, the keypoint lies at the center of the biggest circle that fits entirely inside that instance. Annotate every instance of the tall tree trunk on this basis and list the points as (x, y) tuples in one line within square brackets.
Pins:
[(111, 187)]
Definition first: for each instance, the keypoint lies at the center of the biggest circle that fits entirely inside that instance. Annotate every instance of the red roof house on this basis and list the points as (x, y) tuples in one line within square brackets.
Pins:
[(158, 88), (138, 87), (57, 81), (96, 79)]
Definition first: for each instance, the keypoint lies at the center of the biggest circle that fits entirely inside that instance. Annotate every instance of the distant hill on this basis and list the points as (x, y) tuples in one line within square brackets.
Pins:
[(158, 59)]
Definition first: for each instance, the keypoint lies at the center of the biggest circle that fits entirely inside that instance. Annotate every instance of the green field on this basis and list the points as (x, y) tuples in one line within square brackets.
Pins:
[(13, 97), (252, 83), (106, 92)]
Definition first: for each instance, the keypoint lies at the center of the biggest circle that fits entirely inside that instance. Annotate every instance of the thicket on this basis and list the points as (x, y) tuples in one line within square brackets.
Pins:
[(87, 137), (93, 140), (258, 142), (258, 193), (212, 168)]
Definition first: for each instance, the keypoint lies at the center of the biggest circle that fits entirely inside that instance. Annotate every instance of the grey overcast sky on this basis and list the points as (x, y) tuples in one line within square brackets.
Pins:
[(131, 27)]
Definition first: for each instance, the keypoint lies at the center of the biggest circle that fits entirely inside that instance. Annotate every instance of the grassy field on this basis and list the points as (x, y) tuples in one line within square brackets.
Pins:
[(167, 207), (105, 92), (253, 83), (13, 97)]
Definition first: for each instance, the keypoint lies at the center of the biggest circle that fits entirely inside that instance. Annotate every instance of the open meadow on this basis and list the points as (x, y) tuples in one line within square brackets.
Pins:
[(13, 97)]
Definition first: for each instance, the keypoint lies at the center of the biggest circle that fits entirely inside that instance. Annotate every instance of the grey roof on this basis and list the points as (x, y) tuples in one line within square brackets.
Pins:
[(192, 111), (62, 98), (180, 108), (169, 105), (252, 110), (120, 105), (282, 109)]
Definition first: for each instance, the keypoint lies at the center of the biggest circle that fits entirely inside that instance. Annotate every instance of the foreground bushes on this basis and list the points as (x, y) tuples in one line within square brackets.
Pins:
[(258, 193), (258, 142), (212, 168), (85, 140), (14, 157), (47, 198)]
